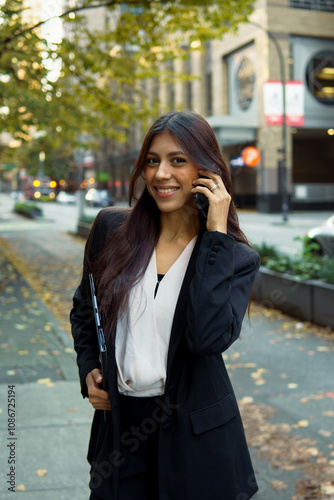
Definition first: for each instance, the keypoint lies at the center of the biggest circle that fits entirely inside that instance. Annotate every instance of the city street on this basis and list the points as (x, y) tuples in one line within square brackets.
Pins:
[(60, 216), (258, 228), (282, 369)]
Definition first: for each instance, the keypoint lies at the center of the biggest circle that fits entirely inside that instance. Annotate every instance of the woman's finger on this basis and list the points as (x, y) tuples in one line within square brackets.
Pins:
[(207, 190), (210, 175), (99, 399), (209, 182), (100, 404), (97, 375)]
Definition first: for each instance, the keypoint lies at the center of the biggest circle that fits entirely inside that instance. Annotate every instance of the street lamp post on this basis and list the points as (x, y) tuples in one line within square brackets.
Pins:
[(41, 164), (282, 170), (79, 156)]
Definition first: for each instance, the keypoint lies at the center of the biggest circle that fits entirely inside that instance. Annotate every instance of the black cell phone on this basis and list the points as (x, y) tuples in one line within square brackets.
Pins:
[(202, 203)]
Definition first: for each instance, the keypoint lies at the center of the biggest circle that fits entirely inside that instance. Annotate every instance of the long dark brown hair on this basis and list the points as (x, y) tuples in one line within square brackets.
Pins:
[(126, 252)]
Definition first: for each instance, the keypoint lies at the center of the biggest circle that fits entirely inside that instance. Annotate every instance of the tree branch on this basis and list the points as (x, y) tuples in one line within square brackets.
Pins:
[(111, 3)]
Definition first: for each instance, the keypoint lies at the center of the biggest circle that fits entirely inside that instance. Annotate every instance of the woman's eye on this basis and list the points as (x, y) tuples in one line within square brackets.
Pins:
[(151, 161), (179, 161)]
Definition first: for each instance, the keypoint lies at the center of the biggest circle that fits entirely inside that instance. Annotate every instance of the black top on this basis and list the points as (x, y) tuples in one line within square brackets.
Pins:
[(160, 276)]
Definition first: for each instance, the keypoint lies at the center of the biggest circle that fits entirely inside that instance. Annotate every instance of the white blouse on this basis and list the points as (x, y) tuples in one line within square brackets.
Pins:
[(143, 332)]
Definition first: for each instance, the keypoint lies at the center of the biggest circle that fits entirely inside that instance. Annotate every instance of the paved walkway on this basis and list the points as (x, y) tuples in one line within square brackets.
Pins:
[(282, 371), (52, 420)]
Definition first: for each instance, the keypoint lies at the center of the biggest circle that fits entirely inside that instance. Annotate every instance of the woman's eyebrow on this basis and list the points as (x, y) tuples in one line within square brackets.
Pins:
[(172, 153)]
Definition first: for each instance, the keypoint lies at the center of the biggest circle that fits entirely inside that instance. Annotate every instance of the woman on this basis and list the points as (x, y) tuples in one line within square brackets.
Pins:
[(173, 284)]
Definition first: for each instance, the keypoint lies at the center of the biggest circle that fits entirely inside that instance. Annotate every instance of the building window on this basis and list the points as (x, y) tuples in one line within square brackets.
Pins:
[(208, 79), (320, 76), (170, 83), (189, 87), (245, 83), (208, 86), (325, 5), (155, 90), (171, 98)]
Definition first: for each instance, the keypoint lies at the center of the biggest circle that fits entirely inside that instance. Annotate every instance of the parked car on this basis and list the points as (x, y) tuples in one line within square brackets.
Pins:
[(64, 197), (323, 235), (99, 198)]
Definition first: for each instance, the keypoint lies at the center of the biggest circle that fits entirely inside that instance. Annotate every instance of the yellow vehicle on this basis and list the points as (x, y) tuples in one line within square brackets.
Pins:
[(43, 189)]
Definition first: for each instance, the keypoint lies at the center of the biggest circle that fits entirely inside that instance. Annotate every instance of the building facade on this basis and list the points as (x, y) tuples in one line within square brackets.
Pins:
[(228, 91)]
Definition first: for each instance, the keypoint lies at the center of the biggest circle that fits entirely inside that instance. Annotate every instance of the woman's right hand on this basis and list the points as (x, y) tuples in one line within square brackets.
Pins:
[(98, 398)]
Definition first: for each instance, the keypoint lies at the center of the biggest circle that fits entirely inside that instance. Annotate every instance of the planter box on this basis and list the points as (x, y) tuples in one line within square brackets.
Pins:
[(34, 213), (286, 293), (257, 287), (37, 212), (323, 303), (83, 229), (308, 300)]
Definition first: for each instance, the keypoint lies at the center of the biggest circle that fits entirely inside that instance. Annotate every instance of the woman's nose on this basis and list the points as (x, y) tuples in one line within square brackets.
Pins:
[(163, 171)]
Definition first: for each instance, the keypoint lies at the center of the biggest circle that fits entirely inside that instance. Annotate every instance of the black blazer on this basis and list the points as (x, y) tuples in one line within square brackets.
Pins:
[(202, 449)]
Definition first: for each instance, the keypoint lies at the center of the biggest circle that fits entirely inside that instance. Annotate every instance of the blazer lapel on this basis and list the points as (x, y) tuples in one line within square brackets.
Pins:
[(180, 317)]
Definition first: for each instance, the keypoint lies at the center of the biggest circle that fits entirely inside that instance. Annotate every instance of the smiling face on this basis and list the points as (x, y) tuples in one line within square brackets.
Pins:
[(169, 174)]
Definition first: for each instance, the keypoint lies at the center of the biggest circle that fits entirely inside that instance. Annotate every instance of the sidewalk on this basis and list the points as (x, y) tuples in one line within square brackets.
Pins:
[(282, 372), (52, 420)]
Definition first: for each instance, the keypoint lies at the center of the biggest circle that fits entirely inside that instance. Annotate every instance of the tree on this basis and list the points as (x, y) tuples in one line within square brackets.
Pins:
[(22, 73), (101, 90), (101, 72)]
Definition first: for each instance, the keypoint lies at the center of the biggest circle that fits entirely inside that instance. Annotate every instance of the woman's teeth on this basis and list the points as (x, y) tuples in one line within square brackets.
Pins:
[(166, 190)]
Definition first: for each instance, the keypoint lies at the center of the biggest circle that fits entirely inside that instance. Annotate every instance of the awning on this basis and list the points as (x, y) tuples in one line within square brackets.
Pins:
[(8, 166), (232, 130)]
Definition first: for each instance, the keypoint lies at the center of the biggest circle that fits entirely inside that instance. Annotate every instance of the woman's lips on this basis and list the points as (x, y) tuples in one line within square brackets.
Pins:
[(166, 192)]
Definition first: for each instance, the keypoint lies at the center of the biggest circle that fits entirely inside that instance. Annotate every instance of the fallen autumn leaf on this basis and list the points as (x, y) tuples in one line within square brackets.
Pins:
[(41, 472)]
